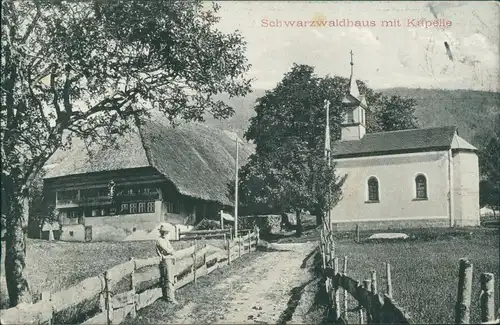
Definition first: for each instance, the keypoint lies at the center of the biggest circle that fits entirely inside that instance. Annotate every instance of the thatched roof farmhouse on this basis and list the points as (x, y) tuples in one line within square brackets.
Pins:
[(161, 173)]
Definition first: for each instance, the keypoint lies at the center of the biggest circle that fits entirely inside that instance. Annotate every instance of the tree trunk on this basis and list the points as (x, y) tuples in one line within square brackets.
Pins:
[(285, 222), (15, 244), (299, 224), (319, 216), (319, 219)]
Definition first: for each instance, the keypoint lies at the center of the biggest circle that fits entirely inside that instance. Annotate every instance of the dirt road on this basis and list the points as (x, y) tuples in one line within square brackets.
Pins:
[(256, 289)]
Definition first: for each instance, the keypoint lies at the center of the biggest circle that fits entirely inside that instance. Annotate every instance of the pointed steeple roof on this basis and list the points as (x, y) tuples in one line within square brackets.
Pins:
[(353, 86), (353, 93)]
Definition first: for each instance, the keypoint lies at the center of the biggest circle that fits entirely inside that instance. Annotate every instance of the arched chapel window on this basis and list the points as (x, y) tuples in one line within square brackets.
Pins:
[(373, 189), (421, 187)]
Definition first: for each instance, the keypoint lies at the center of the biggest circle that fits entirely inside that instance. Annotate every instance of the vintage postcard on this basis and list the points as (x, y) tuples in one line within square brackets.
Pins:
[(250, 162)]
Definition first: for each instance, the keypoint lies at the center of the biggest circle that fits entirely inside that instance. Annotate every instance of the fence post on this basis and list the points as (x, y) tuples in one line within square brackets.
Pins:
[(228, 251), (195, 261), (323, 245), (373, 287), (361, 312), (487, 297), (346, 294), (462, 307), (249, 242), (239, 246), (109, 308), (257, 231), (168, 278), (332, 254), (367, 285), (335, 291), (174, 261), (133, 313), (357, 234), (389, 279), (328, 263)]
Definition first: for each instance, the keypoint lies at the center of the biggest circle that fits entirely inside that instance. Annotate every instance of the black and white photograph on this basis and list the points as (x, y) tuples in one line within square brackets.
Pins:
[(250, 162)]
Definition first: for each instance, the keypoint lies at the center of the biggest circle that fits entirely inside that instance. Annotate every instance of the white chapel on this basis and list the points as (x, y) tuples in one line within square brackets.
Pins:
[(425, 177)]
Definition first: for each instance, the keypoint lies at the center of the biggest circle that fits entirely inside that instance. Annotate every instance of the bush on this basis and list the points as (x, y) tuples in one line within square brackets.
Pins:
[(207, 224)]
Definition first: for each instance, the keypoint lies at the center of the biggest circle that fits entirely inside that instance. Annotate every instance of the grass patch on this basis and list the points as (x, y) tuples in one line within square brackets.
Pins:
[(78, 313), (425, 267)]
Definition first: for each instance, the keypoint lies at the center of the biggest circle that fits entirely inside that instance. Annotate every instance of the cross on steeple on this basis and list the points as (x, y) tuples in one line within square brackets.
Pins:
[(353, 87), (352, 62)]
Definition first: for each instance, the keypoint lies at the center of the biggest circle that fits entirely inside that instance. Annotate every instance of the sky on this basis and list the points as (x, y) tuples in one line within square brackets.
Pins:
[(408, 55)]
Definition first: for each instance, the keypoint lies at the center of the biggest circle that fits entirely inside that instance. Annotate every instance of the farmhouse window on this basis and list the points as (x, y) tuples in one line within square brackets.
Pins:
[(142, 207), (421, 186), (177, 207), (133, 207), (103, 192), (124, 208), (170, 207), (373, 190), (74, 214), (151, 207)]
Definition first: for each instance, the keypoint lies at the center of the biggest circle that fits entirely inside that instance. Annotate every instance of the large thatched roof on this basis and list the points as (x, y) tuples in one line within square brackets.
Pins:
[(197, 159)]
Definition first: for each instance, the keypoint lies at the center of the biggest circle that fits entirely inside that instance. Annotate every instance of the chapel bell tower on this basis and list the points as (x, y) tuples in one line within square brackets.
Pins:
[(354, 124)]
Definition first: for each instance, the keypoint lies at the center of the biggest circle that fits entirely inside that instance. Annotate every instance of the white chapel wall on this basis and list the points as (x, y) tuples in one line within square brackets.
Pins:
[(396, 175), (466, 189)]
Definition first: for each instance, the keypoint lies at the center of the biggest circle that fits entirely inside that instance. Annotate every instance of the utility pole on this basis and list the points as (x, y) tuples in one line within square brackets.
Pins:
[(236, 192), (328, 154)]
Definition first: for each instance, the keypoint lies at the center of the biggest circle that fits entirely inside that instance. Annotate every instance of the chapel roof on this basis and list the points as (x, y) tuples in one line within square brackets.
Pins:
[(197, 159), (353, 96), (404, 141)]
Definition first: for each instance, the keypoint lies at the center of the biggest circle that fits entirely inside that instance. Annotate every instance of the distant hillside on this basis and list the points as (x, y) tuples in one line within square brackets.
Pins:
[(471, 111), (244, 110)]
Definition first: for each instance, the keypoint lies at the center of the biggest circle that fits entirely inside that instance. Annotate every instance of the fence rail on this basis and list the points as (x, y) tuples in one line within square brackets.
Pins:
[(375, 307), (113, 307), (200, 234)]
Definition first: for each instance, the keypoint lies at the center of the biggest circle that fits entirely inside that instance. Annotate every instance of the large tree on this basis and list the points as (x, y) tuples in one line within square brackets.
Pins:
[(288, 171), (391, 113), (92, 69), (489, 162)]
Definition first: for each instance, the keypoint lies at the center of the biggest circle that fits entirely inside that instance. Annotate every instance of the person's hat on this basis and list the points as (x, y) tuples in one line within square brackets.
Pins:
[(163, 228)]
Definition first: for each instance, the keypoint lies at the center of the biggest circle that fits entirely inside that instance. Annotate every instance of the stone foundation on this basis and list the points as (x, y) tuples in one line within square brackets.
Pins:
[(390, 224)]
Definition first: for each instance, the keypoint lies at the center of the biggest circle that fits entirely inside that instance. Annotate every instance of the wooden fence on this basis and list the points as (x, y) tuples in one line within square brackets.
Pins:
[(375, 307), (205, 234), (126, 288)]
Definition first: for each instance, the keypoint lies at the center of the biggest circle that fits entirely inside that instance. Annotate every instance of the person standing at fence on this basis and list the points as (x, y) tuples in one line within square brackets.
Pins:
[(166, 253)]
